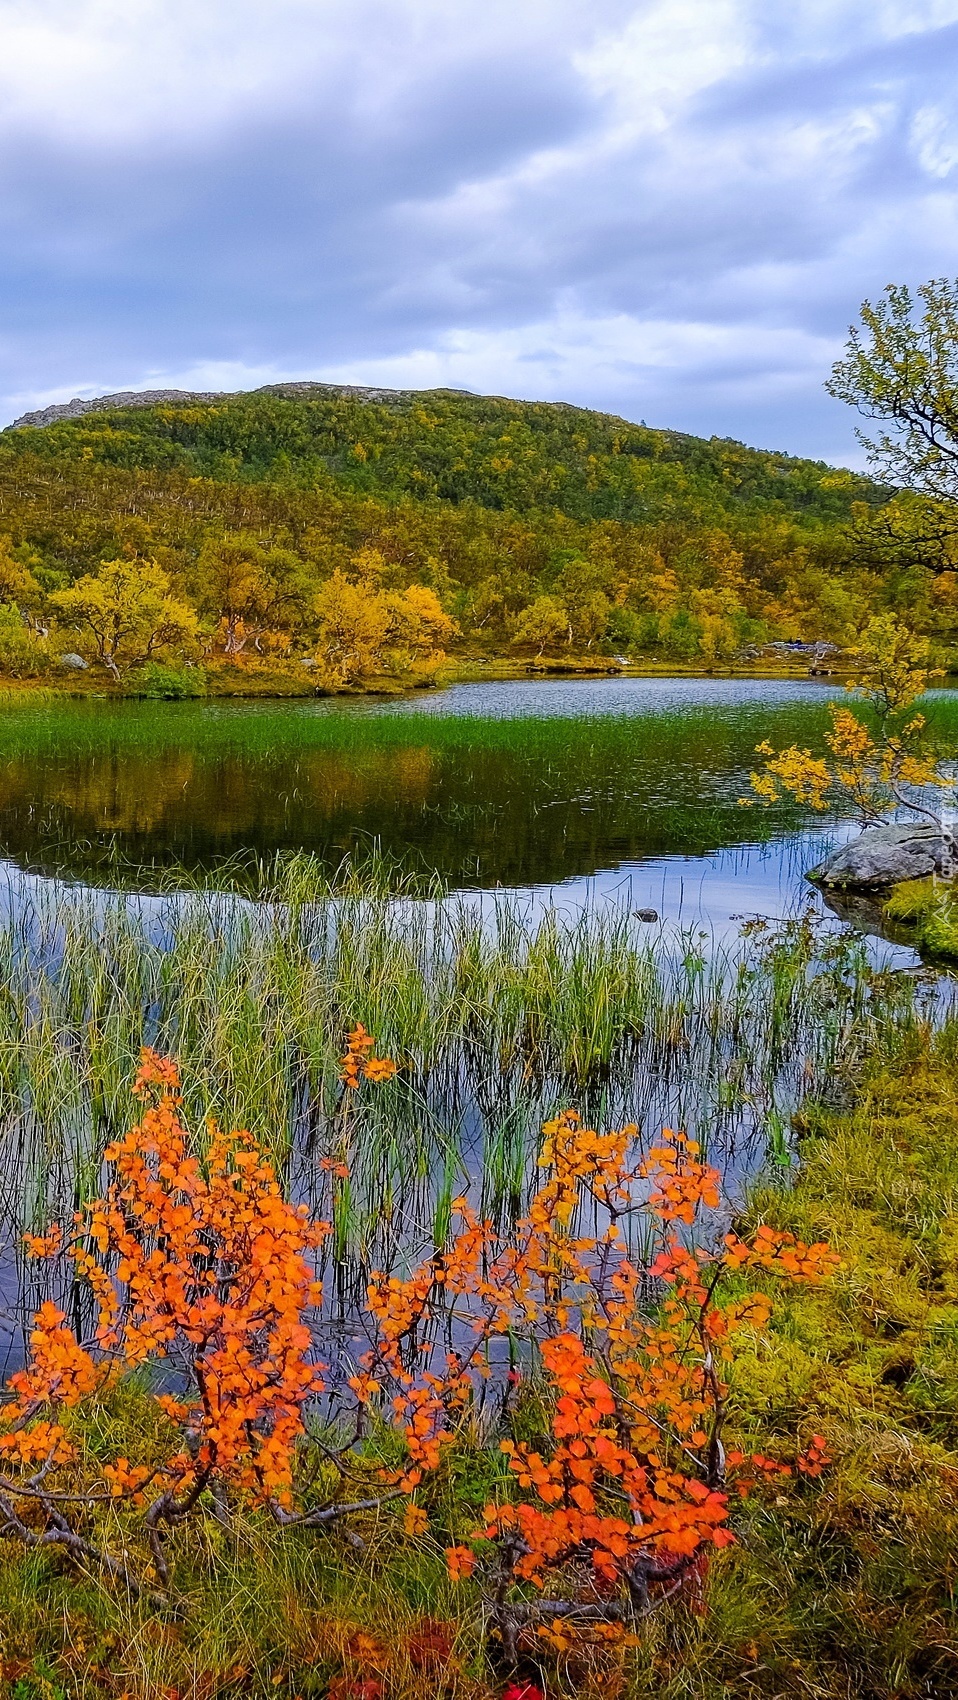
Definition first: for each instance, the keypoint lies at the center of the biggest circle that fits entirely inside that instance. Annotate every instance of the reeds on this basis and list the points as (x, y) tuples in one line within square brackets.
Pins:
[(497, 1013)]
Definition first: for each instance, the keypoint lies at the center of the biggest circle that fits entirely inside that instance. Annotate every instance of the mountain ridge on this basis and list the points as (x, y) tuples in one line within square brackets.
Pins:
[(379, 393)]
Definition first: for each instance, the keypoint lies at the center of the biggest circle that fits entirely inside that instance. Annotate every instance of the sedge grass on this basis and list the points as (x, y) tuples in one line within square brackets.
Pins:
[(498, 1014)]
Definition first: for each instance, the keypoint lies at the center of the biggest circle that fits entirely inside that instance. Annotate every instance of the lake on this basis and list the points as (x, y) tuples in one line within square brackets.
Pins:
[(522, 785), (132, 833)]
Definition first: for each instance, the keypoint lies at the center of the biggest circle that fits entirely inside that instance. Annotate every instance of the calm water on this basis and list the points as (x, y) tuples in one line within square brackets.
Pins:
[(518, 784), (583, 784)]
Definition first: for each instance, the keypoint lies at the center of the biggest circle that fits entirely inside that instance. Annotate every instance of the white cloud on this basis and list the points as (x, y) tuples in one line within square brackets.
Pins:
[(668, 52), (676, 373), (934, 134), (668, 207)]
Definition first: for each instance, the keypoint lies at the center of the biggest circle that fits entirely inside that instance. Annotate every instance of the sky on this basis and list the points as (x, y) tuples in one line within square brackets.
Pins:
[(669, 210)]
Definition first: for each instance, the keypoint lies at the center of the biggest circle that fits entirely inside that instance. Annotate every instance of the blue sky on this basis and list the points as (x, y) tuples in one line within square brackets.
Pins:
[(670, 210)]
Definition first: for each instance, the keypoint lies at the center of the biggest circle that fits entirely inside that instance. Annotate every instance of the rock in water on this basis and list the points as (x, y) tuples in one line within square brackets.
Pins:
[(886, 855)]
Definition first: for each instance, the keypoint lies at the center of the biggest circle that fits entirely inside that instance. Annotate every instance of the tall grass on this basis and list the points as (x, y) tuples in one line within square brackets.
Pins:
[(497, 1013)]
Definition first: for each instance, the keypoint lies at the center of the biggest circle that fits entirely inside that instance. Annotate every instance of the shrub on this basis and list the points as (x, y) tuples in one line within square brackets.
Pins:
[(607, 1503), (23, 654), (158, 680)]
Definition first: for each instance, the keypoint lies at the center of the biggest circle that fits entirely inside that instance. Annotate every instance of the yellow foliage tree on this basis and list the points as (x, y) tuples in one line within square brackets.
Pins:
[(880, 767), (364, 629), (125, 615), (17, 583)]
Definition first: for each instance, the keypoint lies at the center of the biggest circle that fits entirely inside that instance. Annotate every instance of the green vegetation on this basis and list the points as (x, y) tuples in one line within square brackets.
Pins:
[(931, 907), (368, 537)]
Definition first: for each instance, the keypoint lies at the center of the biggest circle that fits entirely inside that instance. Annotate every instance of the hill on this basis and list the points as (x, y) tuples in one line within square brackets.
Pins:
[(538, 528), (448, 445)]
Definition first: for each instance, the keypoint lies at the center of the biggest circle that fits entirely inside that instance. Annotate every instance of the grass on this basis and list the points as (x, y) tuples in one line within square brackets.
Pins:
[(498, 1015), (930, 906)]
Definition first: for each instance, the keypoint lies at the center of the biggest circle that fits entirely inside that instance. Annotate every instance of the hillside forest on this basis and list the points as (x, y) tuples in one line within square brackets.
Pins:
[(308, 537)]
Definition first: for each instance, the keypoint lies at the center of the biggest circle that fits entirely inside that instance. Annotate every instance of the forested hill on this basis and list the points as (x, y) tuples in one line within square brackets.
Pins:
[(364, 531), (444, 445)]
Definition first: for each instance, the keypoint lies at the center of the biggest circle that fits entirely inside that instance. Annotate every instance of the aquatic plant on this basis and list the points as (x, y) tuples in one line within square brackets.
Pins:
[(496, 1014)]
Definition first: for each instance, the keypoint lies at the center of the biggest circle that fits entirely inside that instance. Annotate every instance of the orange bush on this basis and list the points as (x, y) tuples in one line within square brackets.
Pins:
[(197, 1256), (628, 1488)]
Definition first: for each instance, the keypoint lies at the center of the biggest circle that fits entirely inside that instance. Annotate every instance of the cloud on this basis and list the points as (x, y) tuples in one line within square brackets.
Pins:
[(670, 209)]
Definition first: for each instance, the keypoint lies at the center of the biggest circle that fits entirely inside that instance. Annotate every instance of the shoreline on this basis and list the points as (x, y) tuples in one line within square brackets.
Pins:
[(277, 684)]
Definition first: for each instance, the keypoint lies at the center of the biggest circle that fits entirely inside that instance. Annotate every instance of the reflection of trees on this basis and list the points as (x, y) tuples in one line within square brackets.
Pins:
[(517, 803), (105, 794)]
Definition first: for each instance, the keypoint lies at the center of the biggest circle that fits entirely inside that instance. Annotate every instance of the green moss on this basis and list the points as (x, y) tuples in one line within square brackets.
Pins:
[(931, 906), (862, 1566)]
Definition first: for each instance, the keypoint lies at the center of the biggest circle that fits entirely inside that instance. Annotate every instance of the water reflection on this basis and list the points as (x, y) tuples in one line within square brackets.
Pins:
[(518, 785)]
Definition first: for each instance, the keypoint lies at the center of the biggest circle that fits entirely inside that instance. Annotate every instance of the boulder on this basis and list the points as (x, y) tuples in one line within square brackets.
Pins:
[(73, 663), (886, 855)]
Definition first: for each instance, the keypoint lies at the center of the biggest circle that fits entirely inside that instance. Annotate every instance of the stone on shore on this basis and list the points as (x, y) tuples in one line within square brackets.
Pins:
[(886, 855)]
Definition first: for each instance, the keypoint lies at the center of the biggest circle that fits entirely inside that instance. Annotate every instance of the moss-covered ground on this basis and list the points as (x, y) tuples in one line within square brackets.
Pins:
[(930, 906)]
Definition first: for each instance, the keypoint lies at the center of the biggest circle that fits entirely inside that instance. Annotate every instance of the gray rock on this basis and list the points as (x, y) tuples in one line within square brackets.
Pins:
[(884, 855), (76, 408), (73, 663), (646, 914)]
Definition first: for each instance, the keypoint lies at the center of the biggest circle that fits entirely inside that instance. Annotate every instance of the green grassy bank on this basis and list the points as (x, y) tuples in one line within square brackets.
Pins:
[(836, 1588), (930, 908)]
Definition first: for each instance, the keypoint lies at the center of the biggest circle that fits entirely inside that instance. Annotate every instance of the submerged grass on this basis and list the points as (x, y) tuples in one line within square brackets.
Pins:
[(498, 1012)]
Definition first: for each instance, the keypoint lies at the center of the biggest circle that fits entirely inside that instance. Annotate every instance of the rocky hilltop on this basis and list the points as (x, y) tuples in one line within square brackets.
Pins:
[(155, 398)]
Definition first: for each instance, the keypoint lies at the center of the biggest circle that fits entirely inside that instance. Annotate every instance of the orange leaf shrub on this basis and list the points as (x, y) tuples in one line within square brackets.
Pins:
[(195, 1258), (194, 1255), (630, 1477)]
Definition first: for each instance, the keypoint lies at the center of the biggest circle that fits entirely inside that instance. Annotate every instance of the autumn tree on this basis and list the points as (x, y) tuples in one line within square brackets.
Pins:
[(542, 625), (353, 623), (251, 588), (419, 629), (23, 630), (900, 368), (365, 629), (18, 585), (125, 615), (877, 762)]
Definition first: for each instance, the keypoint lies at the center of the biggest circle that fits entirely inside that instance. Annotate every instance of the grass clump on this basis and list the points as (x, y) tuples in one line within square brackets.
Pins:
[(931, 907)]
